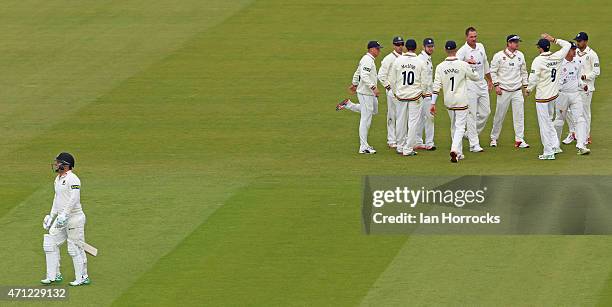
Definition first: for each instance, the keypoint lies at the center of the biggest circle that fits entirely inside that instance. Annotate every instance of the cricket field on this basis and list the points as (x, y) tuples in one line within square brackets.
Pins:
[(215, 170)]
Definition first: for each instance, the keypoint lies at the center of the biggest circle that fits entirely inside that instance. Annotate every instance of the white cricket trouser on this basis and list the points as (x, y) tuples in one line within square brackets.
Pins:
[(401, 123), (551, 110), (391, 117), (458, 119), (586, 103), (367, 107), (548, 135), (471, 123), (427, 124), (571, 103), (478, 100), (518, 115), (408, 119), (74, 233)]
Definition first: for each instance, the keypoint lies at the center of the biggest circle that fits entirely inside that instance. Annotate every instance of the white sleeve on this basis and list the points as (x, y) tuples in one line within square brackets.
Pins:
[(524, 74), (487, 69), (533, 76), (392, 75), (469, 72), (355, 81), (595, 65), (565, 47), (460, 53), (424, 79), (494, 69), (54, 207), (437, 84), (383, 73), (364, 74), (75, 196)]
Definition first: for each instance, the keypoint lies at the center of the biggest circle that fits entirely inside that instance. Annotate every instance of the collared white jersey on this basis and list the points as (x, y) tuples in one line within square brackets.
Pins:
[(385, 65), (367, 75), (408, 77), (429, 67), (67, 198), (590, 66), (509, 70), (569, 77), (479, 55), (451, 76), (545, 71), (355, 80)]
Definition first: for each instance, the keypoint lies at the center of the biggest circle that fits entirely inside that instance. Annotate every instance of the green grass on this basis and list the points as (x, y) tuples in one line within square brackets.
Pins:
[(215, 171)]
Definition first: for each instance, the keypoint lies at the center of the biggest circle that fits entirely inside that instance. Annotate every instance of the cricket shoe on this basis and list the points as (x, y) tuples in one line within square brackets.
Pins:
[(430, 148), (493, 143), (546, 157), (583, 151), (342, 104), (476, 148), (392, 145), (368, 150), (557, 150), (58, 278), (569, 139), (454, 157), (521, 144), (460, 157), (408, 152), (81, 282), (420, 147)]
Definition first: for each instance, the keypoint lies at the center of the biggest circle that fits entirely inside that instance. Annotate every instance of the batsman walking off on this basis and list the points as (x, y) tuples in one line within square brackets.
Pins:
[(66, 221)]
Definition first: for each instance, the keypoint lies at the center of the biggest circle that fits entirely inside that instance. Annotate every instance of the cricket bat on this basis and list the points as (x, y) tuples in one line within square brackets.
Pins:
[(90, 249)]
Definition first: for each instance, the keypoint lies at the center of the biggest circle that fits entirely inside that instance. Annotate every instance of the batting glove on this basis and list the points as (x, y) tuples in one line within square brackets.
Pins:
[(61, 220), (47, 221)]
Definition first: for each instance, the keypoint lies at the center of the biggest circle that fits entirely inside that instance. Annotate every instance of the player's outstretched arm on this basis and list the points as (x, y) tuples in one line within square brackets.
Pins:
[(565, 47)]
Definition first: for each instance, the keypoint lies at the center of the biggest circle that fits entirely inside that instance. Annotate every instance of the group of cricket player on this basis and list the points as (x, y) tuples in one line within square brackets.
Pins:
[(563, 81)]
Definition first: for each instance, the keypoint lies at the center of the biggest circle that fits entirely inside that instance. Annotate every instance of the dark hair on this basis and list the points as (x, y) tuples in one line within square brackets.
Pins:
[(470, 29)]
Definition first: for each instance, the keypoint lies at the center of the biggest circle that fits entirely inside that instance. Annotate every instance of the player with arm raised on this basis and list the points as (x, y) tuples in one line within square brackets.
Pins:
[(474, 54), (451, 77), (367, 93), (570, 100), (543, 78), (427, 120), (383, 77), (65, 222), (509, 75), (409, 81)]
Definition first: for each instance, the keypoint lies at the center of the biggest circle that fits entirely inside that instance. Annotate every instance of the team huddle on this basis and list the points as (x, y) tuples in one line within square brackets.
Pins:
[(563, 81)]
